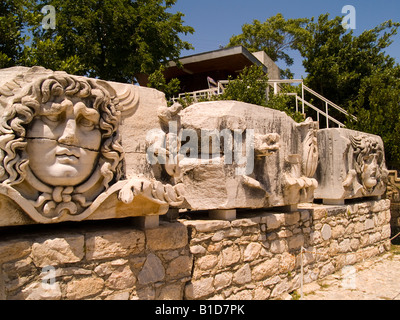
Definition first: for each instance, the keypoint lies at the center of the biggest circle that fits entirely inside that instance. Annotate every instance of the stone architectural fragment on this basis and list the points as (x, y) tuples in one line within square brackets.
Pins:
[(74, 148), (351, 166), (238, 155), (67, 152), (254, 259)]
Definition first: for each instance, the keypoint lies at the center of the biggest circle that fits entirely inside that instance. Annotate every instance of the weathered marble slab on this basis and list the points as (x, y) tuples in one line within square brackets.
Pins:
[(238, 155), (74, 148), (352, 165)]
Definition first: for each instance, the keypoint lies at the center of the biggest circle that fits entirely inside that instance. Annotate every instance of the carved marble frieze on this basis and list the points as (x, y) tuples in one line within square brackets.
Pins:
[(61, 149), (232, 154), (74, 148), (351, 166)]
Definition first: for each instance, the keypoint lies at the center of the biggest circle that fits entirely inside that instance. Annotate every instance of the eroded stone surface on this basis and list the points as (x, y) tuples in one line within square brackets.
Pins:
[(62, 155), (238, 155), (101, 245), (242, 259), (351, 166)]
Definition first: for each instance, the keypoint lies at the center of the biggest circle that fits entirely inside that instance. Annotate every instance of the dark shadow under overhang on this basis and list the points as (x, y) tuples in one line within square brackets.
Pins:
[(232, 60), (227, 61)]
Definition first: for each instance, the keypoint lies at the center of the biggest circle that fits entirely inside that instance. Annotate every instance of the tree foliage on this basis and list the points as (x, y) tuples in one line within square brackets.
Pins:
[(275, 36), (337, 61), (377, 108), (13, 20), (357, 74), (250, 86), (157, 81), (110, 39)]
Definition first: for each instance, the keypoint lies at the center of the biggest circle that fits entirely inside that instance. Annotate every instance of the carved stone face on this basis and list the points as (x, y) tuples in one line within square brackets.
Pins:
[(369, 161), (370, 171), (60, 146), (64, 142)]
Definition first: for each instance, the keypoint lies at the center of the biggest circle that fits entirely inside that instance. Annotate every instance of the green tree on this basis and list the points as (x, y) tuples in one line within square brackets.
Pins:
[(110, 39), (13, 21), (117, 39), (337, 61), (357, 74), (377, 108), (250, 86), (275, 36), (46, 53), (157, 81)]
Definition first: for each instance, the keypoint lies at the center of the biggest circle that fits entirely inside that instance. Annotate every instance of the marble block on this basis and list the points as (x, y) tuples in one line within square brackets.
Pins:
[(74, 148), (238, 155), (352, 165)]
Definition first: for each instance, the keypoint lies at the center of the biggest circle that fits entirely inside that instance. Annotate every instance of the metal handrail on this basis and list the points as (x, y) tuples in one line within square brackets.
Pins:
[(319, 111), (276, 84), (328, 103)]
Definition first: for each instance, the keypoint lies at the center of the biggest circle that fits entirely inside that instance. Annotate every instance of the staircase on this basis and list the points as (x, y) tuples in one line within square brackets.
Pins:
[(276, 86)]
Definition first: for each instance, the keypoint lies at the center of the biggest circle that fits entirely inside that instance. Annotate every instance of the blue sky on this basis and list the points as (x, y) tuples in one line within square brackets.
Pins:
[(215, 21)]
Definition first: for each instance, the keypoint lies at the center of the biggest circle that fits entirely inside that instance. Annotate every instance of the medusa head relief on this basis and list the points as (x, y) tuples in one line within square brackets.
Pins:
[(60, 145), (369, 173)]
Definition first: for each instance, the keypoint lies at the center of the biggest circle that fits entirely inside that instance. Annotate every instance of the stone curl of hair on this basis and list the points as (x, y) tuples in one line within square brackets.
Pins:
[(23, 108)]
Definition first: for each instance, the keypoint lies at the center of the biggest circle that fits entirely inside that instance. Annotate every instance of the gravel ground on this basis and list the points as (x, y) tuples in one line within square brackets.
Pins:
[(375, 279)]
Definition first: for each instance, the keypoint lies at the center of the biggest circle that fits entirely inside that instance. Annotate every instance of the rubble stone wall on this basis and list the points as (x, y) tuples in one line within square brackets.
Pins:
[(395, 221), (257, 256), (116, 262), (393, 194)]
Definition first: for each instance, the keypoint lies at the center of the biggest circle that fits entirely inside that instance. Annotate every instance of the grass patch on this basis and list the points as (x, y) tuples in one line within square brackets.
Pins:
[(295, 295), (395, 249), (323, 285)]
